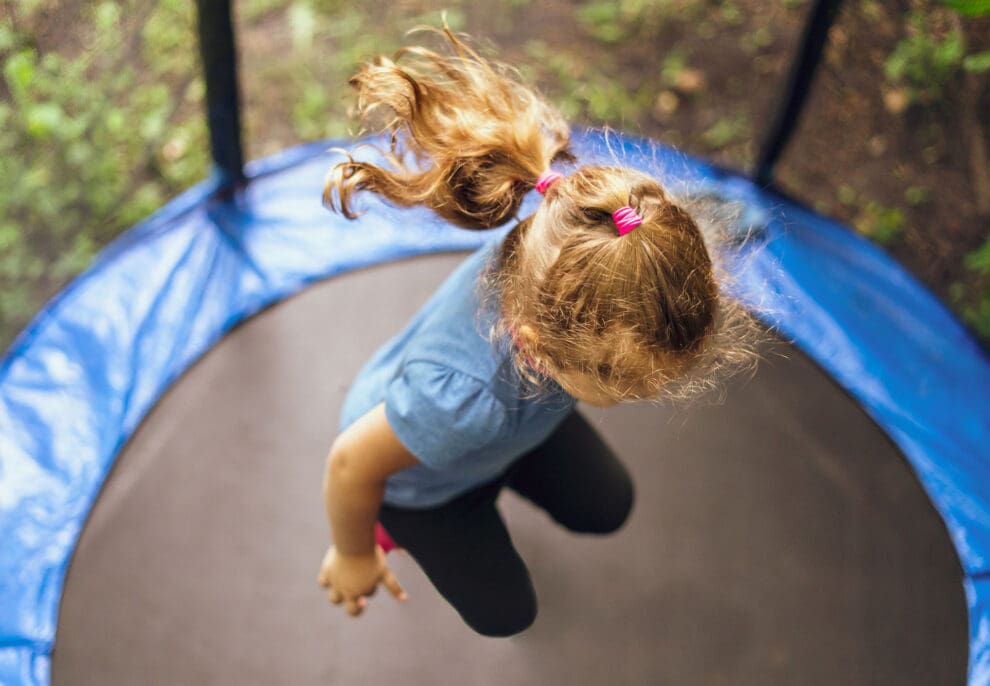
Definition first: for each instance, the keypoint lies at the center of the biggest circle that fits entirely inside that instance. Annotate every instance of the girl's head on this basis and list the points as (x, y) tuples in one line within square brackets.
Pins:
[(609, 317), (623, 315)]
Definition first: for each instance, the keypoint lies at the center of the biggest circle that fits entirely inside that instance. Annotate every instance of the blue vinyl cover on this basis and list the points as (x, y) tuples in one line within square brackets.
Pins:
[(79, 380)]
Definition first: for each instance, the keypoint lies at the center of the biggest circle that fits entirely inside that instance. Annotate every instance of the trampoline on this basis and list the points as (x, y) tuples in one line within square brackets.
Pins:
[(164, 421)]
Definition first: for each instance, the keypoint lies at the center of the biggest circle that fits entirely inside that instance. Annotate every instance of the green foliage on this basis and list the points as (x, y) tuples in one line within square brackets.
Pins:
[(302, 23), (583, 91), (923, 62), (95, 136), (674, 63), (972, 8), (971, 295), (884, 225), (730, 13), (329, 38), (977, 63), (611, 21), (979, 260), (313, 117), (759, 39), (726, 131), (977, 314), (917, 195), (603, 20), (81, 139)]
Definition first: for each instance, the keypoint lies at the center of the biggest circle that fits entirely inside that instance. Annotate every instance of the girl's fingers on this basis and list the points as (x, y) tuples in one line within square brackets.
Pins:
[(392, 584), (336, 597), (323, 579), (355, 606)]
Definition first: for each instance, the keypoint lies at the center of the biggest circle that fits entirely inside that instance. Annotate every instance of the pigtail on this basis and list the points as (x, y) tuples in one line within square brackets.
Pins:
[(642, 313), (466, 139)]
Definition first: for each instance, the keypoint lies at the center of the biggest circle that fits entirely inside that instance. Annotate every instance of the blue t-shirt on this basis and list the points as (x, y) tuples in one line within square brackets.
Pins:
[(453, 397)]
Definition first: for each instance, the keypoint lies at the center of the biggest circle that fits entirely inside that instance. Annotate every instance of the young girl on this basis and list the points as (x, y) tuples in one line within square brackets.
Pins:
[(606, 293)]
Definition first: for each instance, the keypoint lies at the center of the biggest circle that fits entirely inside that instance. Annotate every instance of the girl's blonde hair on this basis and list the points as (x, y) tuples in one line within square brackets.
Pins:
[(465, 138), (643, 315)]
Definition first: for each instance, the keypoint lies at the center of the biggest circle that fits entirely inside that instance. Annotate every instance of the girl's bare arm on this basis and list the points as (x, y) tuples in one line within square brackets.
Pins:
[(353, 486)]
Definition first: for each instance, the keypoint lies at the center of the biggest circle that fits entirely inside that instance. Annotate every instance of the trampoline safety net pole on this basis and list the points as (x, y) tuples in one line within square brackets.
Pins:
[(217, 50), (809, 54)]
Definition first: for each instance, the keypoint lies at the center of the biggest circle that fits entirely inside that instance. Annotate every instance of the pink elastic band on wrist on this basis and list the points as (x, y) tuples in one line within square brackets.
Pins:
[(383, 539), (544, 180), (626, 219)]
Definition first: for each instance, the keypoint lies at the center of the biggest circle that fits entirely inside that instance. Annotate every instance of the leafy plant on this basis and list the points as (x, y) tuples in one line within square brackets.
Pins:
[(923, 62), (885, 225), (977, 63), (971, 295), (603, 20), (726, 131), (973, 8), (583, 91), (81, 142), (611, 21)]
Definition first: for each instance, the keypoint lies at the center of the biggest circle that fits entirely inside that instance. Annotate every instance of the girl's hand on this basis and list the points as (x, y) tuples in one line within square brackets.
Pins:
[(352, 578)]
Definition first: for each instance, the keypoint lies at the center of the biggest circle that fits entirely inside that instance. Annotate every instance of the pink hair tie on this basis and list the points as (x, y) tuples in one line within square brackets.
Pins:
[(626, 219), (546, 179), (383, 539)]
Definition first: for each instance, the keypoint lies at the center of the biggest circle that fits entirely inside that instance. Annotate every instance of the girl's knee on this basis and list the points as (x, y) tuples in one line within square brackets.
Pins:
[(505, 621), (609, 514), (614, 517)]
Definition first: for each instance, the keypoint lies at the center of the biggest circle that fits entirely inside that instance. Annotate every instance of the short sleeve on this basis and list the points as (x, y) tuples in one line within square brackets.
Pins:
[(440, 414)]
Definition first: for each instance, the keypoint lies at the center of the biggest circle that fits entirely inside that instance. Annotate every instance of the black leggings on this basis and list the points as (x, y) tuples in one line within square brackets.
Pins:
[(465, 550)]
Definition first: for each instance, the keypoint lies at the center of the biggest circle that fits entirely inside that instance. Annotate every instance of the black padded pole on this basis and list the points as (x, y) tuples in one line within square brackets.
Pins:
[(798, 86), (216, 47)]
